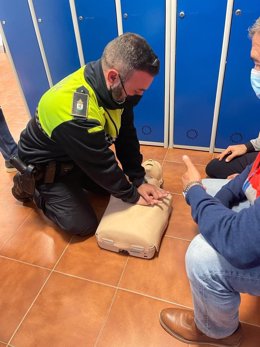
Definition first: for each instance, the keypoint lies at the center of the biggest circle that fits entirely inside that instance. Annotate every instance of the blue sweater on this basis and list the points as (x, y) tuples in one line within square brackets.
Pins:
[(234, 235)]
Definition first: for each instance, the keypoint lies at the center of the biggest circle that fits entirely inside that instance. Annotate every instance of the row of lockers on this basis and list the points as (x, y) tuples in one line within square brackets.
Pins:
[(202, 97)]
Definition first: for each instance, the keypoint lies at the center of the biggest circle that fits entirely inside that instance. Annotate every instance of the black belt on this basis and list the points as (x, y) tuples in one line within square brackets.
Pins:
[(53, 170)]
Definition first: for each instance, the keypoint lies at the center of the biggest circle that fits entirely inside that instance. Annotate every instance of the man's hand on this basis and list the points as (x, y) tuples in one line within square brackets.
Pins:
[(150, 194), (232, 152), (231, 177), (192, 174)]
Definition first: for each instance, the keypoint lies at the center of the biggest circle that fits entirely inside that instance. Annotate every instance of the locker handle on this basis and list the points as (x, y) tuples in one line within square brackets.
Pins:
[(182, 14), (125, 15), (238, 12)]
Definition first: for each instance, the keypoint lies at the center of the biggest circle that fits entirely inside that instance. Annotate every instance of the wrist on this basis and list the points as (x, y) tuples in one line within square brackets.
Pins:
[(191, 184), (249, 147)]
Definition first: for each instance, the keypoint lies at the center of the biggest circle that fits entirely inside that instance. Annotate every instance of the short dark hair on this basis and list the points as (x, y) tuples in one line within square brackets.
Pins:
[(130, 52)]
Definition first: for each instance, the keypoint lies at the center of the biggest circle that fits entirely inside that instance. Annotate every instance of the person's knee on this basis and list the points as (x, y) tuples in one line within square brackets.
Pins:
[(74, 219), (82, 225), (214, 169), (201, 258), (77, 228)]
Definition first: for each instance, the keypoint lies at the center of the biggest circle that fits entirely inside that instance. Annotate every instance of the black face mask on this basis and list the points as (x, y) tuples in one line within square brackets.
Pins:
[(133, 99), (120, 103)]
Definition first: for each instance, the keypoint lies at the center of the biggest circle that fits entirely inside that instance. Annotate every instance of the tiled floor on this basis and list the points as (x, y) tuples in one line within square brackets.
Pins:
[(64, 292)]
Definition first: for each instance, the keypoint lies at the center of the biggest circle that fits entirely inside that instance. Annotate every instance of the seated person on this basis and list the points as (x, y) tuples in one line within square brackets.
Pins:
[(224, 259), (234, 159)]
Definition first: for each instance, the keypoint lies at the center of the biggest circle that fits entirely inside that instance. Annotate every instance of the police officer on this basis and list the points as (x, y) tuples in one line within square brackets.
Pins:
[(77, 120)]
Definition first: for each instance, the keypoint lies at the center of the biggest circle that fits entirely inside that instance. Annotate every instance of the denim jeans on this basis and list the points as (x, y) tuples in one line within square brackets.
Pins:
[(215, 284), (8, 147)]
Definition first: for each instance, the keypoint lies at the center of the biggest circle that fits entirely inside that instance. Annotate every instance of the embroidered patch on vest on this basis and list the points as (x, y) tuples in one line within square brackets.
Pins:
[(80, 103)]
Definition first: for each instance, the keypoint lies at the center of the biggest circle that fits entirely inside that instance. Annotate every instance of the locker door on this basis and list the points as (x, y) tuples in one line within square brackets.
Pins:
[(200, 27), (97, 26), (147, 18), (239, 110), (57, 33), (20, 35)]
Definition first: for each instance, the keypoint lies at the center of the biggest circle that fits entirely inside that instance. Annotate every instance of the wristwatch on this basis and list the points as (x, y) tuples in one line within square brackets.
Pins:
[(189, 185)]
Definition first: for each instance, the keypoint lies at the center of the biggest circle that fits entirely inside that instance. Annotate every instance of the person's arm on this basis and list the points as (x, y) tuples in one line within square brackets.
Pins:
[(234, 151), (255, 145), (234, 235), (128, 148), (91, 153)]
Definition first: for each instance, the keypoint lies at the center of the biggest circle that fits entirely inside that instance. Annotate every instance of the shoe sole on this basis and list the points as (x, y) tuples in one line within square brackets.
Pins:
[(12, 169), (182, 339)]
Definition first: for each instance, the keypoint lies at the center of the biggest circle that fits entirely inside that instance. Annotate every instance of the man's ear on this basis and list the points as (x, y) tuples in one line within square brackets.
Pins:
[(112, 76)]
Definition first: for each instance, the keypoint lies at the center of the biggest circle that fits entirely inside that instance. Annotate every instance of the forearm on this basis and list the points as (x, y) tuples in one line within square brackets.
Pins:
[(255, 145), (128, 149), (234, 235), (91, 153)]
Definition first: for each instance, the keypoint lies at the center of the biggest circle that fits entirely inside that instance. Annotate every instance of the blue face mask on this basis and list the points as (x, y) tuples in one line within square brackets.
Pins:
[(255, 81)]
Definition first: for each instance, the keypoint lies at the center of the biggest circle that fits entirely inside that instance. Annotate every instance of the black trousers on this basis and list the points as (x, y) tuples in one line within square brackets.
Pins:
[(66, 202), (221, 169)]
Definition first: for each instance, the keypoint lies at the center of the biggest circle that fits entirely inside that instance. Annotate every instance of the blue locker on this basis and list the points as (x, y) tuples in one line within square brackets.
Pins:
[(147, 18), (97, 26), (200, 27), (20, 35), (239, 110), (57, 33)]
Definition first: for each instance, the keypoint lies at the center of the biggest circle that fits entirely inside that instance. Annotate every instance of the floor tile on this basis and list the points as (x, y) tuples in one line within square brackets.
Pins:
[(163, 277), (172, 173), (153, 152), (250, 309), (197, 157), (216, 155), (20, 283), (68, 312), (181, 224), (12, 216), (251, 337), (37, 242), (16, 129), (134, 321), (6, 182), (12, 101), (87, 260)]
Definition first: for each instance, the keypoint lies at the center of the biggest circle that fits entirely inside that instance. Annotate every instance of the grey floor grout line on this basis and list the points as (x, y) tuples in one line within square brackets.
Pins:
[(25, 262)]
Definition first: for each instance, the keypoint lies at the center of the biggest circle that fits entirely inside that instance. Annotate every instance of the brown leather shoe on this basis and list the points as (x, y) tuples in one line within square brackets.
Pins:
[(180, 324)]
